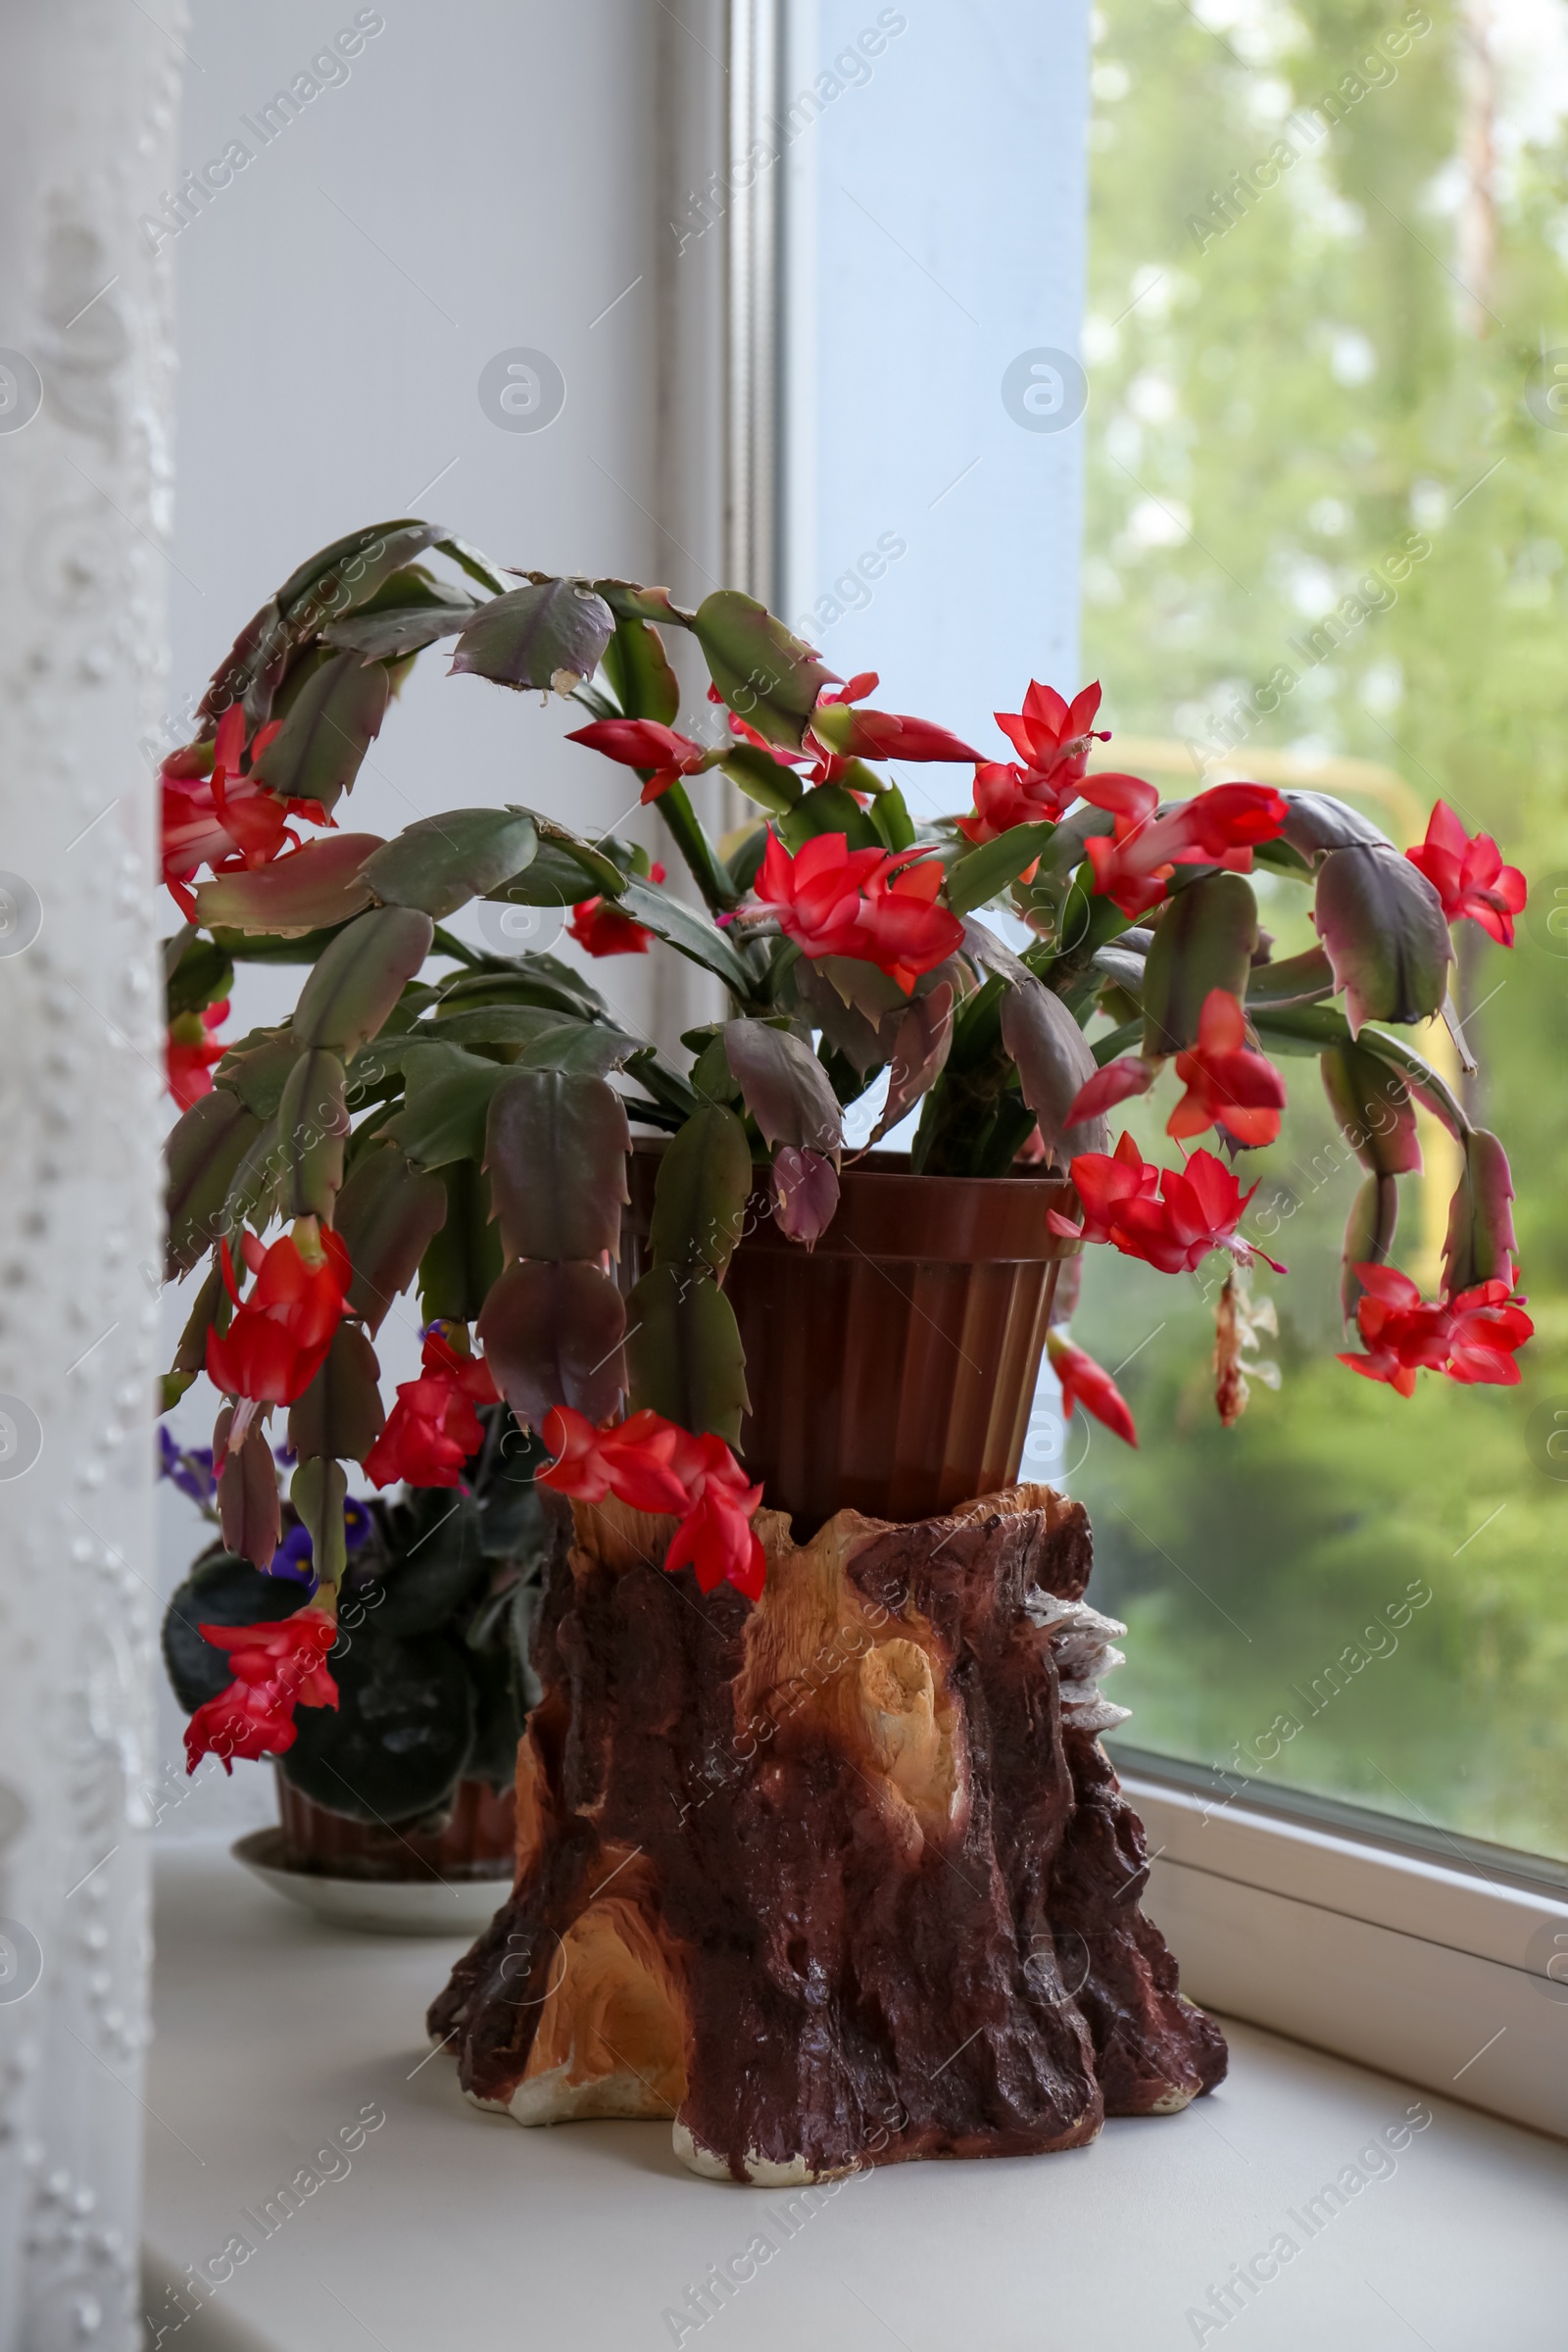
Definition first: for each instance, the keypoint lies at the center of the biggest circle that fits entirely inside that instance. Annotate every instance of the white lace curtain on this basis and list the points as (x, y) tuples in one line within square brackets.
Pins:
[(88, 95)]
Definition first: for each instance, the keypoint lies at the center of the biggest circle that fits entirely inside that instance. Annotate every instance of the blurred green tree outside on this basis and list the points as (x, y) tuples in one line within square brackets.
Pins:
[(1296, 375)]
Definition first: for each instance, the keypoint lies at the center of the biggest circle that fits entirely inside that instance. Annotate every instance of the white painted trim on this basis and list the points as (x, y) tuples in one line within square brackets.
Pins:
[(1432, 1973), (750, 442)]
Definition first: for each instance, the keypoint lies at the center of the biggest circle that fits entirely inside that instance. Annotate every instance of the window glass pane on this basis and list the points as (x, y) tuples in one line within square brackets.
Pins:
[(1327, 510), (933, 239)]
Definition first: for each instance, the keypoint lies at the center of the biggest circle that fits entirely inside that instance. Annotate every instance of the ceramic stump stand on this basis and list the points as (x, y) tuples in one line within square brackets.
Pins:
[(844, 1878)]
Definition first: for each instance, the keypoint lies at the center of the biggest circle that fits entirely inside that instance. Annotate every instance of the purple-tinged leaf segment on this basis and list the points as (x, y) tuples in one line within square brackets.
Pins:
[(1054, 1065), (683, 1346), (340, 1415), (785, 1087), (1481, 1244), (806, 1194), (202, 1154), (443, 862), (328, 729), (554, 1151), (312, 889), (250, 1510), (921, 1045), (1205, 939), (552, 1334), (544, 636), (1382, 927), (313, 1127), (1368, 1236), (1374, 1107), (388, 1213)]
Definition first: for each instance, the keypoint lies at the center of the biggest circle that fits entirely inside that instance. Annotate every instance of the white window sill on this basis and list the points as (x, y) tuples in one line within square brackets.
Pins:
[(452, 2228), (1366, 1948)]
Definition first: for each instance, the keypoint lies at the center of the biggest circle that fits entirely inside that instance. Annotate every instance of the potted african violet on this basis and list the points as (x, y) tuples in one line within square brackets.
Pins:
[(818, 1854), (396, 1759)]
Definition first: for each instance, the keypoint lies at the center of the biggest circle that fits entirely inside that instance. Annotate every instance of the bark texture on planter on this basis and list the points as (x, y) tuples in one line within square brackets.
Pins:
[(844, 1878)]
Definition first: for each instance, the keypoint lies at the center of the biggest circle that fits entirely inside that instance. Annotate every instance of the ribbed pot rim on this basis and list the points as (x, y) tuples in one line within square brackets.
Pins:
[(888, 1211)]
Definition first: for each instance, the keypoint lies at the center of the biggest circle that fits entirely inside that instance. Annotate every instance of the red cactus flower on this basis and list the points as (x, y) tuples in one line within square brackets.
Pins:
[(1488, 1323), (1172, 1227), (579, 1466), (1104, 1182), (1006, 795), (1053, 738), (1199, 1210), (1085, 1383), (818, 893), (280, 1334), (605, 929), (840, 730), (1223, 826), (219, 817), (251, 815), (632, 1458), (715, 1537), (277, 1667), (1469, 876), (906, 933), (1133, 865), (191, 1051), (1124, 796), (653, 1465), (578, 1470), (646, 743), (1403, 1334), (867, 903), (1472, 1338), (1229, 1084), (851, 690), (433, 1427), (1219, 827)]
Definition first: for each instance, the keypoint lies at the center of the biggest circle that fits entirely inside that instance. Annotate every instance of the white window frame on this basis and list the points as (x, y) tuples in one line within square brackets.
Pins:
[(1434, 1959), (1429, 1958)]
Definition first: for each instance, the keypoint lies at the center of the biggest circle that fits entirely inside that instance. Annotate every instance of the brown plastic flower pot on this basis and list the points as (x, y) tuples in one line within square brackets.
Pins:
[(477, 1841), (892, 1368)]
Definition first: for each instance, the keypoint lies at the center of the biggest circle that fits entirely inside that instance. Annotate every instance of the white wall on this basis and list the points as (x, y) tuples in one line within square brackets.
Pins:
[(488, 177)]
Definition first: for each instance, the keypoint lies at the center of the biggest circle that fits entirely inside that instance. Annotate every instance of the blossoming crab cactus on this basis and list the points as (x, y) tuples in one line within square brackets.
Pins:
[(438, 1117)]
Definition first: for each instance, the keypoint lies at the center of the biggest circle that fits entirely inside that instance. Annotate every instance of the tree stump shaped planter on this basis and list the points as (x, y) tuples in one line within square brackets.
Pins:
[(841, 1878)]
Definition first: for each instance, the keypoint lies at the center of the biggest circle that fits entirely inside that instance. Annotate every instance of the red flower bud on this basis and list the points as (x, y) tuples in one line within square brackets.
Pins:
[(1083, 1382)]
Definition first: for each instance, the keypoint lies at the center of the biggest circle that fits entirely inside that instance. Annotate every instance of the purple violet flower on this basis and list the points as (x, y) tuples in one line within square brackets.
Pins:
[(293, 1559), (190, 1469)]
